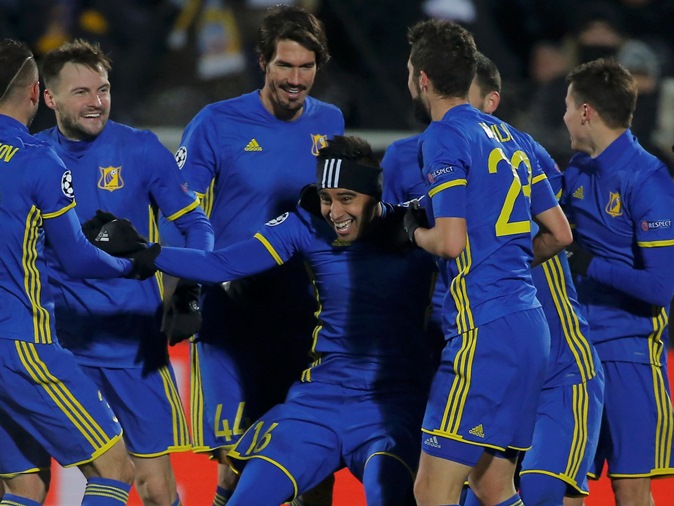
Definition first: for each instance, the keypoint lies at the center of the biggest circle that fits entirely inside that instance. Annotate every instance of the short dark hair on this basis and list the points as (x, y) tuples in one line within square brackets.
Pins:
[(287, 22), (446, 52), (608, 87), (487, 76), (15, 69), (78, 51), (346, 147)]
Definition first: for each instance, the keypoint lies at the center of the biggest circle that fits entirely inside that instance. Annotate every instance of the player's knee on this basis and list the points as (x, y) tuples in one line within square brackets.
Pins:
[(538, 489), (155, 490), (227, 478), (155, 480), (423, 491), (114, 464), (33, 486), (632, 491)]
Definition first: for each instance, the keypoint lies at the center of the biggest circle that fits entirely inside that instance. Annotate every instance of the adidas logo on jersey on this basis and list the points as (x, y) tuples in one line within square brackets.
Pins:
[(253, 146), (433, 441), (477, 431), (578, 194)]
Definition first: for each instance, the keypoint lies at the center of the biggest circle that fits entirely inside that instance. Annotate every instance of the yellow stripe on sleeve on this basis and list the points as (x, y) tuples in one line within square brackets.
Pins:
[(444, 186), (64, 210), (655, 244), (184, 210), (269, 247)]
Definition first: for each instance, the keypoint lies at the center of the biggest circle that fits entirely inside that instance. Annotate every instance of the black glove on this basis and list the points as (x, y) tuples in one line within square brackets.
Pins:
[(415, 217), (112, 235), (579, 259), (182, 316), (93, 226), (143, 262)]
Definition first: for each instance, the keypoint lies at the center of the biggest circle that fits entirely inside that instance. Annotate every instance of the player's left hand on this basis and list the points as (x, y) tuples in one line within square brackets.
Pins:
[(115, 236), (415, 217), (579, 258), (182, 316)]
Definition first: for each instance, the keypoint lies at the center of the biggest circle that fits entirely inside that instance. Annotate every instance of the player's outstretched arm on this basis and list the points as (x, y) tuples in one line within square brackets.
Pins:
[(242, 259)]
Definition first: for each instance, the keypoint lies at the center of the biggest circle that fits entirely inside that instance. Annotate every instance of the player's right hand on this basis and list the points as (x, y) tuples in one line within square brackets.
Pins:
[(143, 262)]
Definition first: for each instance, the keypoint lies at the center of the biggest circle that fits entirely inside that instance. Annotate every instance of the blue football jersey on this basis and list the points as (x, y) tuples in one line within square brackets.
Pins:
[(129, 173), (402, 175), (621, 206), (250, 165), (476, 169), (372, 300)]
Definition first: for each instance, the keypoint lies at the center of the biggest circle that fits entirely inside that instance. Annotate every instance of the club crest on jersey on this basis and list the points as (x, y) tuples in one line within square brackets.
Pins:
[(318, 141), (111, 178), (67, 185), (181, 156), (615, 205), (277, 221)]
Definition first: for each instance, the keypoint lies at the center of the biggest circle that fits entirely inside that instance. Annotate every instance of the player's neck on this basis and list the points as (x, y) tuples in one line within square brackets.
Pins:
[(440, 106), (602, 139)]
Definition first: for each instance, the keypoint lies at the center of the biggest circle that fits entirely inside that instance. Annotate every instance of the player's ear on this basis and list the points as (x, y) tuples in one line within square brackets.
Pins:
[(49, 99), (262, 63), (493, 100), (35, 92)]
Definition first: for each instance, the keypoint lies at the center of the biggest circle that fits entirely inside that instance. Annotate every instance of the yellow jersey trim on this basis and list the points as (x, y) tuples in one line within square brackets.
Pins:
[(444, 186), (55, 214), (269, 248)]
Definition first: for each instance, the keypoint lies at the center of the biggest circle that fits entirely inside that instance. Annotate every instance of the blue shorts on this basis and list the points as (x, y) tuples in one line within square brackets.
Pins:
[(49, 407), (486, 390), (322, 427), (242, 363), (636, 434), (566, 433), (148, 407)]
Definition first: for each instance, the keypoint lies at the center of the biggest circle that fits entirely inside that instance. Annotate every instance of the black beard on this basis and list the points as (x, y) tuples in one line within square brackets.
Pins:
[(421, 114)]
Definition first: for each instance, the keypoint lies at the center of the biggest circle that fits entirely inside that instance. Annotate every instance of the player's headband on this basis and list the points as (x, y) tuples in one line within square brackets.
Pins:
[(349, 174)]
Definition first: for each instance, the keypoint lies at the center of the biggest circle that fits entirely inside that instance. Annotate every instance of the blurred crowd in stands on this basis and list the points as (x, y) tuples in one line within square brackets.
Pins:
[(171, 57)]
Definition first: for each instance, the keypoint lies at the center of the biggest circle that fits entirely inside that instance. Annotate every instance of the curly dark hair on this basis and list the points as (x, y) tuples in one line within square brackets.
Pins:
[(287, 22)]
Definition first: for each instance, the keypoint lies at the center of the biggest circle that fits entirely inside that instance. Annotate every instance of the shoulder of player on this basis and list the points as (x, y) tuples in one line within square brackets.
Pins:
[(404, 144), (37, 146), (322, 107), (646, 168), (131, 139), (223, 116)]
